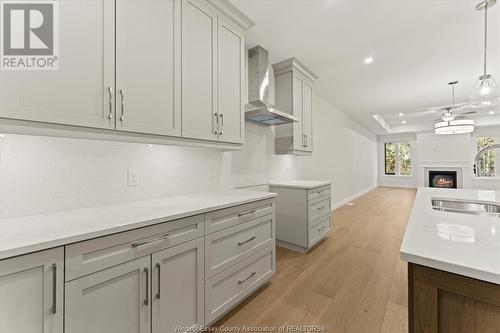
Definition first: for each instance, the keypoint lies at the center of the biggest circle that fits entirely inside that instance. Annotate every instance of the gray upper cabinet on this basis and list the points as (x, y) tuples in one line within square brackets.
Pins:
[(178, 73), (146, 60), (199, 70), (294, 94), (81, 91), (231, 60), (31, 293)]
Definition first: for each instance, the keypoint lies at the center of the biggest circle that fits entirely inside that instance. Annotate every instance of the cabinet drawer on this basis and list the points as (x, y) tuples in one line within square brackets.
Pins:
[(232, 216), (319, 192), (229, 246), (228, 288), (97, 254), (319, 218), (318, 231), (318, 207)]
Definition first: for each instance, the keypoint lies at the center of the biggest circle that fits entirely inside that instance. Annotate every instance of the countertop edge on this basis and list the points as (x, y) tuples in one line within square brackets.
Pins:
[(49, 244), (451, 268)]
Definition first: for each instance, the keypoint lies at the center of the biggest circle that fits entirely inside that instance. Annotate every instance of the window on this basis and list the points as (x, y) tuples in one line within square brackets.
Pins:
[(397, 158), (488, 163)]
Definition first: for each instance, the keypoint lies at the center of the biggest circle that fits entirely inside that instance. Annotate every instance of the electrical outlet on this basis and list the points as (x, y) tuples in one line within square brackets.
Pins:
[(132, 178)]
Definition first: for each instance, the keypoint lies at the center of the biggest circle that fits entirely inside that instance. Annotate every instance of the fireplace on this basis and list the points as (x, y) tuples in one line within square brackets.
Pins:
[(443, 179)]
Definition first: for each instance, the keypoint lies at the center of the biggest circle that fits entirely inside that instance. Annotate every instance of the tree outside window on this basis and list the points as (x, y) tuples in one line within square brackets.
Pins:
[(397, 158), (487, 163)]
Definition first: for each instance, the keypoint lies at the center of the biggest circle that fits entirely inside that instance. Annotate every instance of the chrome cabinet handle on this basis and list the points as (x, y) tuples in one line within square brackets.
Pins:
[(248, 240), (216, 115), (146, 300), (221, 130), (139, 244), (247, 213), (158, 295), (122, 103), (304, 140), (110, 92), (320, 208), (307, 141), (54, 288), (321, 229), (247, 278)]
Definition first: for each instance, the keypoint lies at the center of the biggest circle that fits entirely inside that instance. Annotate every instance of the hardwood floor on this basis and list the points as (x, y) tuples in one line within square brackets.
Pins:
[(353, 281)]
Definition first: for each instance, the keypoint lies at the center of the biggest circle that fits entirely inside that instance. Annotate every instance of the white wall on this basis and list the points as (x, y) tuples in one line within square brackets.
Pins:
[(45, 174), (345, 153)]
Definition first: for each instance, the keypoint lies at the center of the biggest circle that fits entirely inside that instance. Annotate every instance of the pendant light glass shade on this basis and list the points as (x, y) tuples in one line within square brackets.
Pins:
[(486, 86), (460, 126)]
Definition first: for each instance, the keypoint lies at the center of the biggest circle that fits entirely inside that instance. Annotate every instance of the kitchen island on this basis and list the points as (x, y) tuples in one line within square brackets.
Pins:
[(453, 255)]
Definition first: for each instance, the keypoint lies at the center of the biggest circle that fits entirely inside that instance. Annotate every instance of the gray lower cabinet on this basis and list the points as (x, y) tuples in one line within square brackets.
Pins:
[(178, 288), (31, 293), (177, 276), (115, 300), (303, 213)]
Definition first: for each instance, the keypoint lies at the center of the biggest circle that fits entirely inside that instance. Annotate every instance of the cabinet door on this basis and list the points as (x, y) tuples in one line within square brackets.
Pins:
[(231, 43), (146, 60), (31, 293), (81, 91), (115, 300), (199, 69), (178, 288), (298, 111), (307, 116)]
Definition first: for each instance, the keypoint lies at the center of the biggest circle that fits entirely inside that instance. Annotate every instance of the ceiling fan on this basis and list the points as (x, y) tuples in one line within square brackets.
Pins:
[(452, 122)]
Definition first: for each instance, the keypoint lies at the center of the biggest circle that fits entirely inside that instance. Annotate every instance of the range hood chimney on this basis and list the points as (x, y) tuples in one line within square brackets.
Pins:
[(260, 108)]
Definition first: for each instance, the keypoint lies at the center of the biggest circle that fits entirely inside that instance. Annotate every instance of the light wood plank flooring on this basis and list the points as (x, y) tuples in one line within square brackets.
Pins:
[(353, 281)]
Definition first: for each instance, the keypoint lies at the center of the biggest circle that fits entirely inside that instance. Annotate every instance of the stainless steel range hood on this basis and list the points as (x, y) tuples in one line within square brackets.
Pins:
[(261, 109)]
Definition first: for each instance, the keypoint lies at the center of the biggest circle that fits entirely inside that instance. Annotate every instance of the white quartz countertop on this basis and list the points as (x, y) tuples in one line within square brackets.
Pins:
[(38, 232), (306, 184), (463, 244)]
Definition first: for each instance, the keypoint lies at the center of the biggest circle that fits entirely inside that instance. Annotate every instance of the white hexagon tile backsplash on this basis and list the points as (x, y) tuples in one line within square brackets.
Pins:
[(47, 174)]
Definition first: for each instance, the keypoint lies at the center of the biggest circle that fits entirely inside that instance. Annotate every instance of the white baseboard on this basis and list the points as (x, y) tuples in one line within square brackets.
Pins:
[(398, 185), (345, 201)]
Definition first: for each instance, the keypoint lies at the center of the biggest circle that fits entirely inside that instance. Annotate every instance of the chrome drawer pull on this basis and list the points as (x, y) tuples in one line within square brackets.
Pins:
[(247, 213), (246, 279), (216, 115), (110, 92), (158, 295), (122, 94), (248, 240), (139, 244), (54, 288), (146, 300), (322, 228)]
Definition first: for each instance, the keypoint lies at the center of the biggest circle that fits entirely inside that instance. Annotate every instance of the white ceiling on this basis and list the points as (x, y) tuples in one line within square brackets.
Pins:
[(417, 46)]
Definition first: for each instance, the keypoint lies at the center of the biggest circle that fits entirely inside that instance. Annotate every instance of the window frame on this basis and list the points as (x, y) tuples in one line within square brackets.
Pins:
[(496, 139), (397, 163)]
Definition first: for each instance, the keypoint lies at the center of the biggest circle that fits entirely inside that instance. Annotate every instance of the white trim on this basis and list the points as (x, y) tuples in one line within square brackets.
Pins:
[(338, 204)]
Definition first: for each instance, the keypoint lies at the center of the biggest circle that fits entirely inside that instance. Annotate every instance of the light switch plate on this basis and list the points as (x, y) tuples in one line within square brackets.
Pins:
[(132, 178)]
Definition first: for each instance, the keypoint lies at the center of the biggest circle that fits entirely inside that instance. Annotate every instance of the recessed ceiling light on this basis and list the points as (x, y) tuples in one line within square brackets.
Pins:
[(403, 122), (368, 60), (491, 112), (401, 114)]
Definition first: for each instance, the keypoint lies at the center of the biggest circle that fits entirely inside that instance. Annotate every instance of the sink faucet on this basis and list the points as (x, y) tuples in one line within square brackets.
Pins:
[(480, 154)]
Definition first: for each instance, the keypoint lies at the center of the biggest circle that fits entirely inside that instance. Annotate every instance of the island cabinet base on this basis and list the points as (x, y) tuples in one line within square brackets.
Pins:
[(443, 302)]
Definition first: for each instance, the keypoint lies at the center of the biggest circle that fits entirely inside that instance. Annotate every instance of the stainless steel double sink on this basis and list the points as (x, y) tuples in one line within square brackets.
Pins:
[(470, 207)]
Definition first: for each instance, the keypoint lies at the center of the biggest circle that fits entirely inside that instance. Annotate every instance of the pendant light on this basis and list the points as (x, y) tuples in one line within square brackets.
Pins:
[(449, 123), (486, 85)]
